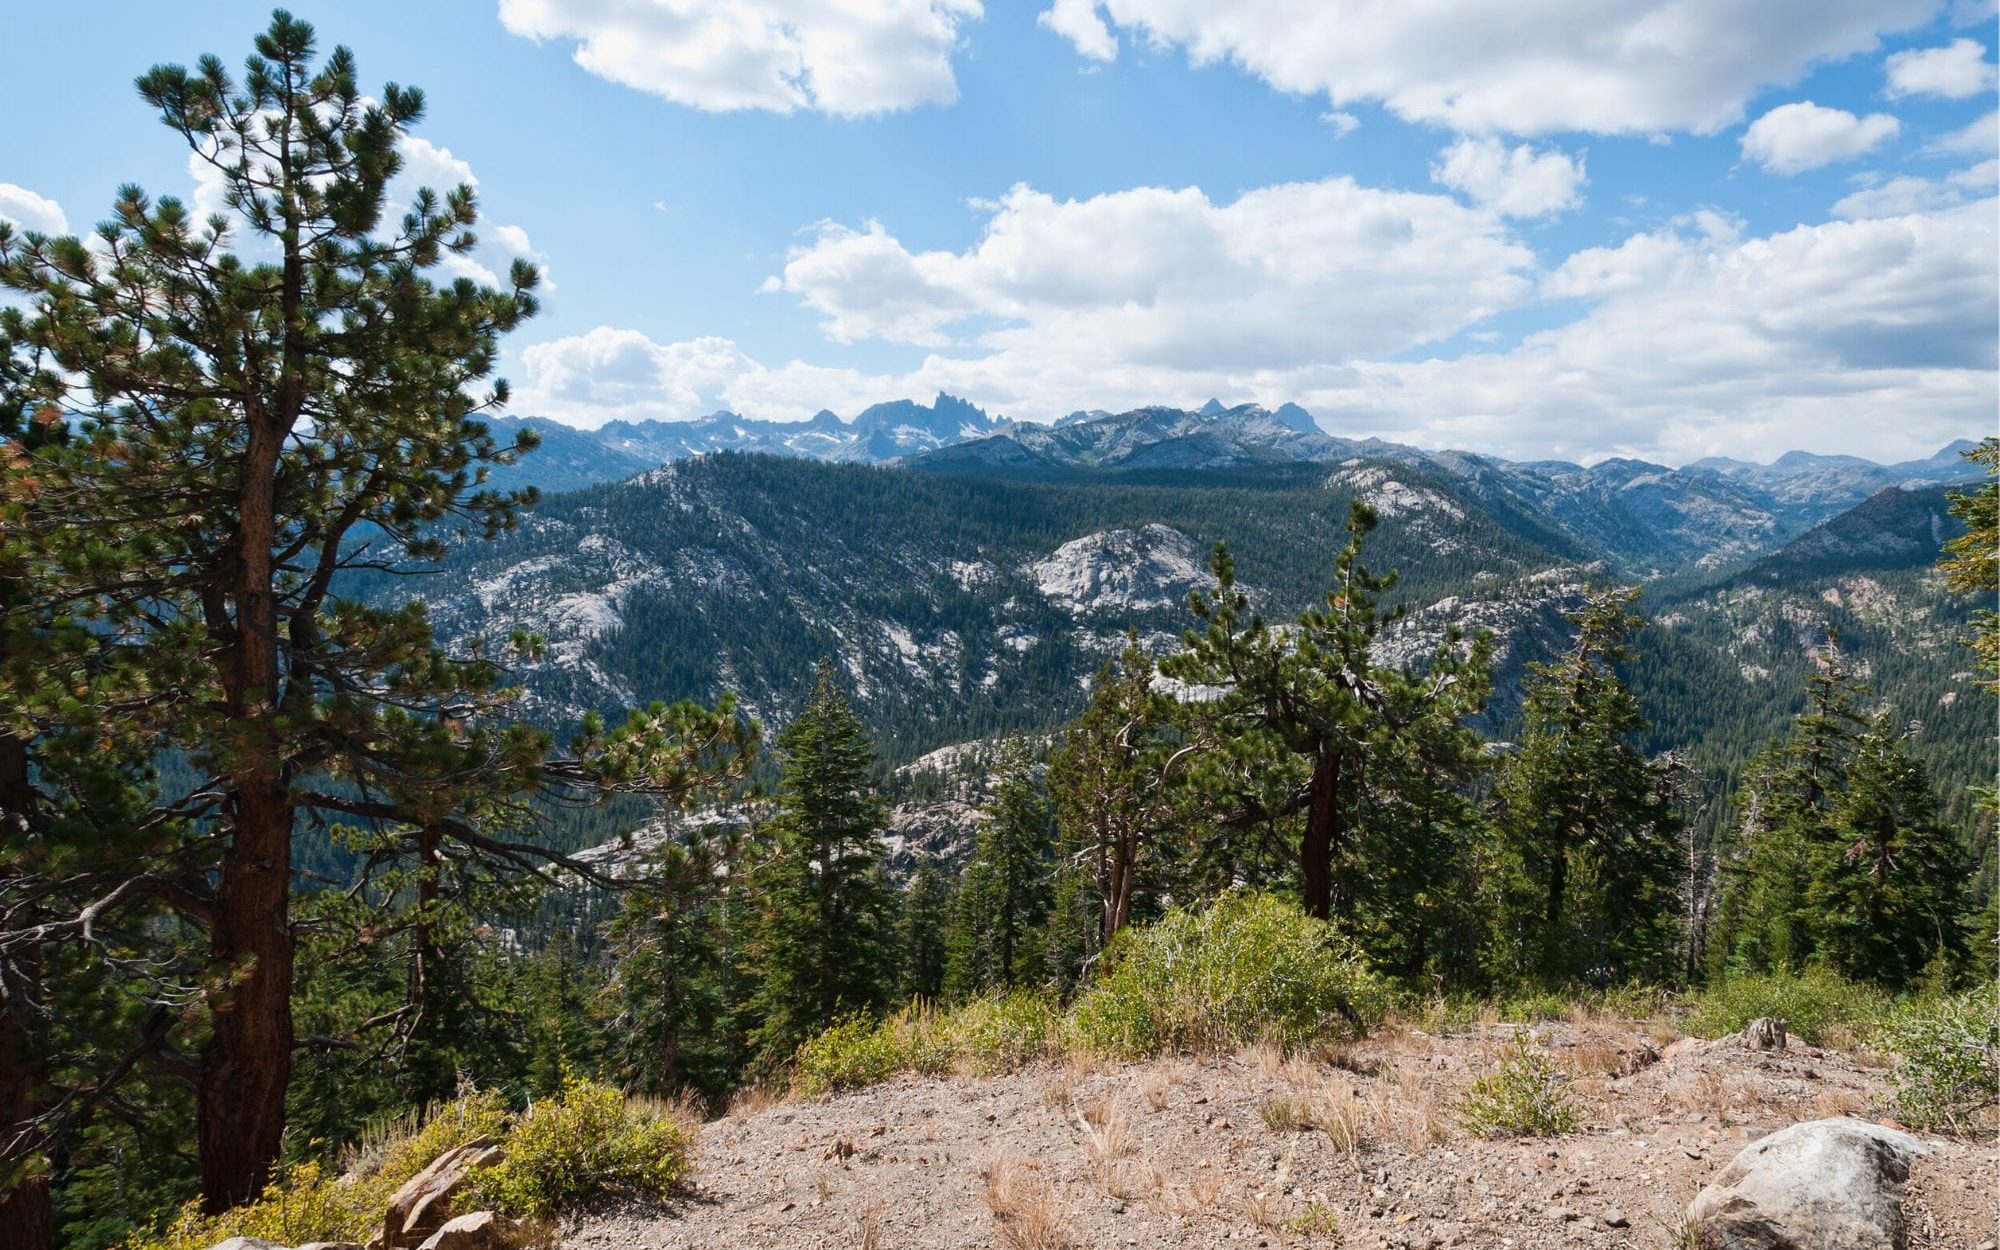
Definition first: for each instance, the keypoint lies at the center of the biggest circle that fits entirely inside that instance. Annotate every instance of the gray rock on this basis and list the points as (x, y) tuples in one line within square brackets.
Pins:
[(246, 1243), (1822, 1185)]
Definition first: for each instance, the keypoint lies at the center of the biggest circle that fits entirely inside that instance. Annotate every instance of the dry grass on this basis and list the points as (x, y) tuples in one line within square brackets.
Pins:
[(1695, 1090), (751, 1099), (1597, 1056), (1058, 1091), (1194, 1196), (1267, 1057), (1335, 1110), (1029, 1215), (1107, 1133), (1343, 1055), (1263, 1211), (1405, 1111), (1831, 1103), (868, 1229), (1285, 1114)]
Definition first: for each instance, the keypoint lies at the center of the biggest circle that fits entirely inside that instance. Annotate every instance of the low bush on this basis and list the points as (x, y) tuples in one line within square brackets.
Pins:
[(1947, 1053), (306, 1202), (1528, 1096), (1248, 968), (588, 1142), (853, 1052), (1816, 1004), (989, 1036)]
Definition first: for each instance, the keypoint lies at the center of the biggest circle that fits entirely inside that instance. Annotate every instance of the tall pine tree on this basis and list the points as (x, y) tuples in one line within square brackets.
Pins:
[(1588, 856), (998, 936), (823, 938)]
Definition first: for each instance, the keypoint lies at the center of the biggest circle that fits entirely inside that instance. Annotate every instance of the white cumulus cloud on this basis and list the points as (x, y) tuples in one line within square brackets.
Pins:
[(775, 55), (1527, 67), (1871, 336), (1803, 135), (1517, 181), (1079, 22), (29, 211), (1956, 71), (1156, 276), (1906, 194)]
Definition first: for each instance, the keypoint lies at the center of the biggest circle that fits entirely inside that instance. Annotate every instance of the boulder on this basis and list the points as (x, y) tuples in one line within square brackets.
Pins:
[(1764, 1033), (423, 1204), (480, 1230), (1822, 1185), (246, 1243)]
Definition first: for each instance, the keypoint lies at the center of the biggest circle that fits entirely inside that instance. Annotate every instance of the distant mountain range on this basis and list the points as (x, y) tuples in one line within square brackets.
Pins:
[(1645, 519)]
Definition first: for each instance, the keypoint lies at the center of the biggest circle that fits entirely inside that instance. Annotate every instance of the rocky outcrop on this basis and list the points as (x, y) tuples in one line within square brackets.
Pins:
[(479, 1230), (423, 1205), (1822, 1185)]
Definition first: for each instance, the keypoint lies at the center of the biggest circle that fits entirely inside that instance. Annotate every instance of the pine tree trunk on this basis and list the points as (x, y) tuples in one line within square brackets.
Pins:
[(1322, 827), (26, 1218), (248, 1060), (247, 1063)]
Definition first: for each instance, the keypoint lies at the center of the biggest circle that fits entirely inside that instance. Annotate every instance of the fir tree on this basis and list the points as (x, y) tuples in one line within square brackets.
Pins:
[(1587, 845), (823, 941), (998, 927), (1785, 812), (1887, 883), (672, 1011), (921, 934)]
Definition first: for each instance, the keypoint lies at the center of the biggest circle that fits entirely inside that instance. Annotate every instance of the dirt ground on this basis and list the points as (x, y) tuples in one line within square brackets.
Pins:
[(1353, 1147)]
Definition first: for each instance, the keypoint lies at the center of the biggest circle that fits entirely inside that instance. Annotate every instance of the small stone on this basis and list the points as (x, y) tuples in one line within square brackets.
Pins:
[(1614, 1218)]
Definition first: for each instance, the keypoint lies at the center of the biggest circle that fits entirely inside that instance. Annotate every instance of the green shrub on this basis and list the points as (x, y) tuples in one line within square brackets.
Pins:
[(1816, 1003), (1248, 968), (1317, 1220), (1947, 1075), (590, 1141), (920, 1035), (305, 1202), (995, 1035), (302, 1203), (1529, 1096), (853, 1052)]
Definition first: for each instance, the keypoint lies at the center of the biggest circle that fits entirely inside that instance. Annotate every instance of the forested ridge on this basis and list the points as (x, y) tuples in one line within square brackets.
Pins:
[(287, 837)]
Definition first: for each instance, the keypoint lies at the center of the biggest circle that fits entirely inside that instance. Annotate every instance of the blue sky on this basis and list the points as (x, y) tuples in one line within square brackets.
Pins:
[(1538, 228)]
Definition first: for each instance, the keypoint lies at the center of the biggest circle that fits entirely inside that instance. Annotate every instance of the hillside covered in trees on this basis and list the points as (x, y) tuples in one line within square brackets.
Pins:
[(290, 839)]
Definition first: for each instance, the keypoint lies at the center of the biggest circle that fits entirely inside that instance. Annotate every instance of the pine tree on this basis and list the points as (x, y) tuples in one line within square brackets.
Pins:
[(1306, 718), (1588, 847), (1971, 566), (921, 934), (823, 940), (260, 405), (1784, 823), (1887, 884), (999, 923), (672, 1024), (1971, 562), (1116, 778)]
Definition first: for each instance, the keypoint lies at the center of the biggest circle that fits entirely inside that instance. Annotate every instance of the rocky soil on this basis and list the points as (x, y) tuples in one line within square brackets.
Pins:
[(1354, 1146)]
